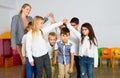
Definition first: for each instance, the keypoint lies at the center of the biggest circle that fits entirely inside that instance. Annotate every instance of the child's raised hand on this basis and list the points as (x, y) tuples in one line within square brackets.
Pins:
[(32, 63), (65, 21), (53, 21), (50, 15)]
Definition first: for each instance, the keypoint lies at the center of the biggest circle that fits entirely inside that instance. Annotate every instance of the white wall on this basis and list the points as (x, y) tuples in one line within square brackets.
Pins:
[(104, 15), (7, 10)]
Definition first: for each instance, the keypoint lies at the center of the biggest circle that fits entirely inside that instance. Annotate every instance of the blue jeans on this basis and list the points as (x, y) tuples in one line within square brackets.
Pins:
[(86, 66), (30, 69)]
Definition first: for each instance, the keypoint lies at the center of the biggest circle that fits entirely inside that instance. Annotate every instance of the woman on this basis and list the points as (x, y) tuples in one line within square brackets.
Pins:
[(18, 24)]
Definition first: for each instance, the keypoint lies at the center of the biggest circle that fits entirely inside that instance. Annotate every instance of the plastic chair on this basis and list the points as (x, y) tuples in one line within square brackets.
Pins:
[(106, 54), (99, 55), (116, 55)]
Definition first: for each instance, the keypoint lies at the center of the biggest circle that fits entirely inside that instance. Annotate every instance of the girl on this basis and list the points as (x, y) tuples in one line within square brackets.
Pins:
[(29, 69), (36, 46), (88, 51)]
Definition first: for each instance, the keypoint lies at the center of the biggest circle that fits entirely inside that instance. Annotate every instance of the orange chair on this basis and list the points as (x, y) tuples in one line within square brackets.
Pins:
[(106, 54), (116, 55), (5, 35)]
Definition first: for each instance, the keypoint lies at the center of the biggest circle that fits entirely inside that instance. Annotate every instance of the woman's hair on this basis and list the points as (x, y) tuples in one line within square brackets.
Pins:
[(91, 34), (24, 6), (35, 21)]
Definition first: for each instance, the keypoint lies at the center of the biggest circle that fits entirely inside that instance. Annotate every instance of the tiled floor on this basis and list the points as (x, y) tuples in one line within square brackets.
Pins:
[(105, 72)]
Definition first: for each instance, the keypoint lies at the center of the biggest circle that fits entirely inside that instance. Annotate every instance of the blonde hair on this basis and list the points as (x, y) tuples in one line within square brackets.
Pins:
[(35, 21), (53, 34), (24, 6)]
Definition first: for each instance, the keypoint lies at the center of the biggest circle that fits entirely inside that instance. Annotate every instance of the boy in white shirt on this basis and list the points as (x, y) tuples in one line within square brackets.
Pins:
[(52, 37)]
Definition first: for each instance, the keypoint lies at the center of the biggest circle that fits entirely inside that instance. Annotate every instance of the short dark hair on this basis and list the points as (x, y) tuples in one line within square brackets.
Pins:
[(74, 20), (65, 31)]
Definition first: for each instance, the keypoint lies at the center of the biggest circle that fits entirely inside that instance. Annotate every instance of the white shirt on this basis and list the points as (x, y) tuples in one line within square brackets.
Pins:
[(37, 46), (91, 50), (74, 38), (50, 50), (24, 46)]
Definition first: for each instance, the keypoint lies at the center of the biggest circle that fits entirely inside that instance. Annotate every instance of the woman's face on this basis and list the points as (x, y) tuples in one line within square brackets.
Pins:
[(26, 10)]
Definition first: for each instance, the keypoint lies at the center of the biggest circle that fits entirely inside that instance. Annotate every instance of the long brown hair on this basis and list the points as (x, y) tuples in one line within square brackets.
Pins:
[(92, 37), (35, 20), (24, 6)]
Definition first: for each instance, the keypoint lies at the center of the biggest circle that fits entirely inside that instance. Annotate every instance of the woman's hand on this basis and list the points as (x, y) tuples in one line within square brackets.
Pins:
[(24, 60), (14, 48)]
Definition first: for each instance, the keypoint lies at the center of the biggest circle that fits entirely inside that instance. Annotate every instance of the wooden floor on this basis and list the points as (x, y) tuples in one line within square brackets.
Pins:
[(105, 72)]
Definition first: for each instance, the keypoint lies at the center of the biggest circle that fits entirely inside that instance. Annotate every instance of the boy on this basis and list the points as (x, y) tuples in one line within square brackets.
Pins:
[(52, 37), (64, 54), (75, 29)]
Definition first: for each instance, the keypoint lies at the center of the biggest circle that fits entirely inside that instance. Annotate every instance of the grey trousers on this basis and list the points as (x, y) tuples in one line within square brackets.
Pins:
[(41, 63)]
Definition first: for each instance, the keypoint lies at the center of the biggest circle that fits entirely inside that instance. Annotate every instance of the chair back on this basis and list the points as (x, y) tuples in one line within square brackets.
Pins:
[(116, 53), (106, 53)]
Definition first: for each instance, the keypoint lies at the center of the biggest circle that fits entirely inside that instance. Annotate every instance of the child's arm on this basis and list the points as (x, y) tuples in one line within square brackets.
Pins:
[(47, 16), (55, 56), (28, 48), (71, 63), (48, 28), (23, 50), (95, 57), (55, 53), (72, 50)]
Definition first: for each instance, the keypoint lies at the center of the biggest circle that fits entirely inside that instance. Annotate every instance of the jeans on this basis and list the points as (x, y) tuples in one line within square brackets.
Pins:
[(30, 70), (86, 66)]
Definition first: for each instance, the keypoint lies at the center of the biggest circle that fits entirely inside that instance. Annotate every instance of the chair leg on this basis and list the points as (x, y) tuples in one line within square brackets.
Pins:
[(100, 62), (112, 63)]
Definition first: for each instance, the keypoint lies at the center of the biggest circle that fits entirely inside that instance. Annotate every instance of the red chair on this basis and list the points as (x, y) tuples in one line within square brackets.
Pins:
[(106, 54)]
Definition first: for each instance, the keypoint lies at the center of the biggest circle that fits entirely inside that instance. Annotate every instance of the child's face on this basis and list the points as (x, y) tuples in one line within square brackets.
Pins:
[(40, 24), (65, 37), (85, 31), (52, 40), (75, 25)]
